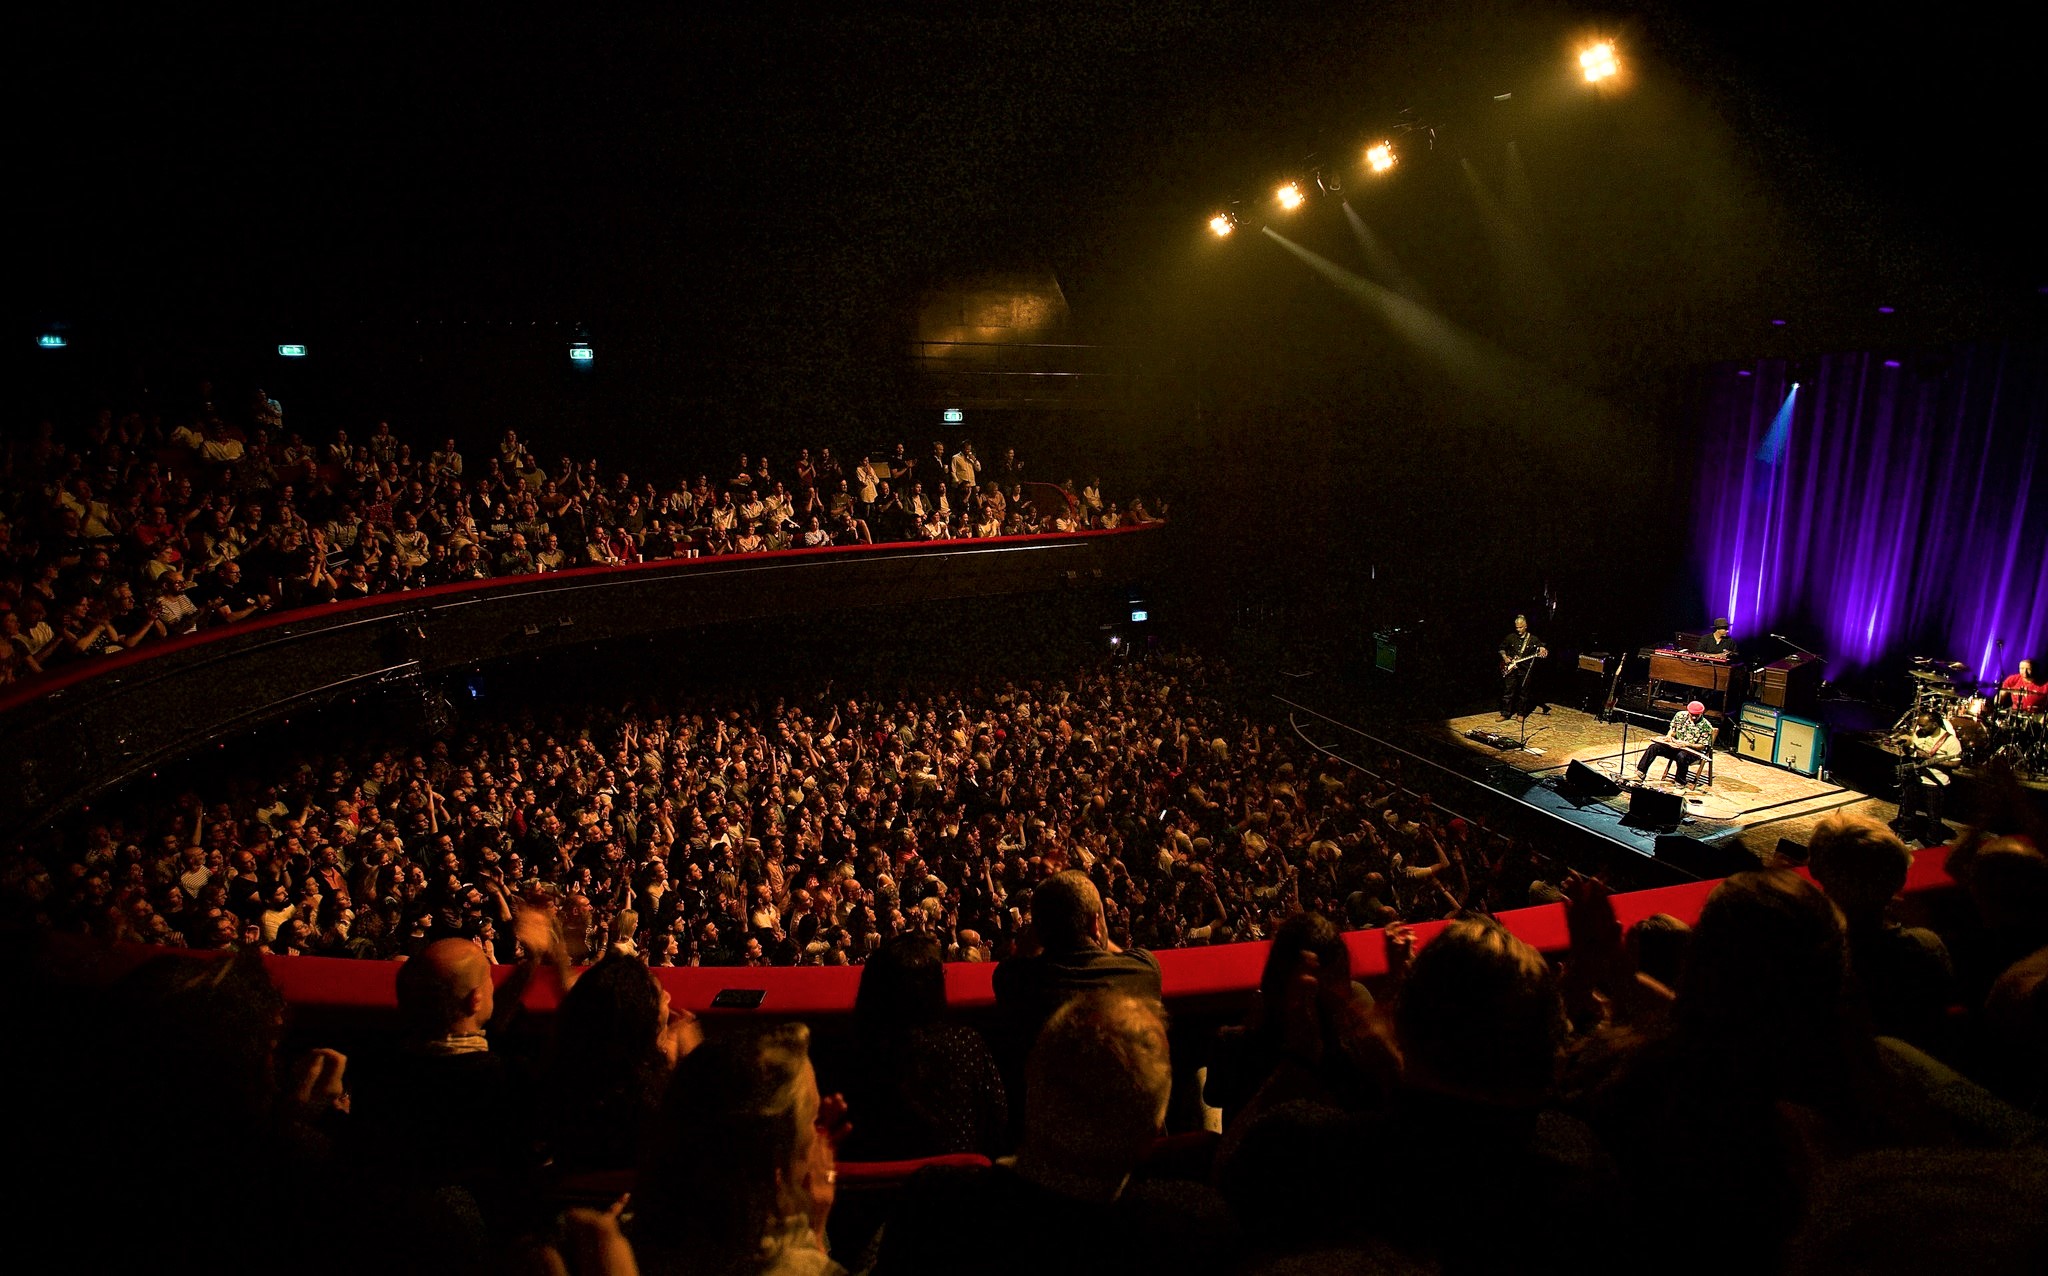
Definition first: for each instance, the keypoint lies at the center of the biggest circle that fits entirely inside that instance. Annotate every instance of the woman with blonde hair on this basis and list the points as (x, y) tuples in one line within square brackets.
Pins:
[(741, 1178)]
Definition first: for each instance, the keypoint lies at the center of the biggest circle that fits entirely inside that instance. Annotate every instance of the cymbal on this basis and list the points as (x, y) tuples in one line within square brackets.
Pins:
[(1925, 676)]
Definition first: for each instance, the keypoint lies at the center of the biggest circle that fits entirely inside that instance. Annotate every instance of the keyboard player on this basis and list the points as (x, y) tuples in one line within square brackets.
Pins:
[(1719, 644)]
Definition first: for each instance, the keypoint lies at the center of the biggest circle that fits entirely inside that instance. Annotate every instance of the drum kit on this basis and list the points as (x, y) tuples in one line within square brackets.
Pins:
[(1956, 720)]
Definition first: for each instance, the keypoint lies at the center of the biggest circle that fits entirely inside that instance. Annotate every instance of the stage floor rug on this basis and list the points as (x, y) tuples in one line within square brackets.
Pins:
[(1749, 803)]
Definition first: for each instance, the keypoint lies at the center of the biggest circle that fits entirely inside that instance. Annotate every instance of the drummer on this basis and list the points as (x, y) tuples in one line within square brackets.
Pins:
[(2020, 691)]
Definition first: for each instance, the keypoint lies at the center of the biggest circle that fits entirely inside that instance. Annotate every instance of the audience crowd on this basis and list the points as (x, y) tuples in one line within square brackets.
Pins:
[(1727, 1096), (810, 830), (137, 529)]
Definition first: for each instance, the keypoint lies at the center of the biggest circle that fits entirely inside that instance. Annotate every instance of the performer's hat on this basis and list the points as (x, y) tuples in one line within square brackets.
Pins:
[(1720, 622), (1695, 708)]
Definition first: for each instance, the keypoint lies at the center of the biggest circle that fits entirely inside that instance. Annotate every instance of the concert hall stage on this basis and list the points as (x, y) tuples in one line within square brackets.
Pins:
[(1750, 805)]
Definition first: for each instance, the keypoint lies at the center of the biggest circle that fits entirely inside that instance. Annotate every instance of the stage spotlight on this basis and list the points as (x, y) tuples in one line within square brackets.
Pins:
[(1380, 157), (1290, 196), (1599, 62), (1222, 224)]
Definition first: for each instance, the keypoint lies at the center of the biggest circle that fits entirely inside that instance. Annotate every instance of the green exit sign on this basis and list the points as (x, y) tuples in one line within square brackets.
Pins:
[(292, 352)]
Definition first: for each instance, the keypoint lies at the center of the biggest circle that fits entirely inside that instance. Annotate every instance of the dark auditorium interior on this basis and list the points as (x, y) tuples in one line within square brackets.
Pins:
[(1200, 638)]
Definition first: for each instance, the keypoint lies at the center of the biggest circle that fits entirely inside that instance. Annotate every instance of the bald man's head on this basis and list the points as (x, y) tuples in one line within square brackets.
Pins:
[(446, 989), (1066, 910)]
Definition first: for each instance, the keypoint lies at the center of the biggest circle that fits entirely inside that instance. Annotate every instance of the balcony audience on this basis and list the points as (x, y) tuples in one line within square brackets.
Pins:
[(250, 519)]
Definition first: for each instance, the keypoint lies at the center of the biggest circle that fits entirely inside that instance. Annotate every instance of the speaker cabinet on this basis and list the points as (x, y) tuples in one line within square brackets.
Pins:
[(1583, 784), (1652, 809), (1802, 745), (1756, 733)]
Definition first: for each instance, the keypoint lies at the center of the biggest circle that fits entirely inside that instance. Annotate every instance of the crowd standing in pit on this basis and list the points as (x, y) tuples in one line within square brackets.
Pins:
[(138, 529), (808, 830)]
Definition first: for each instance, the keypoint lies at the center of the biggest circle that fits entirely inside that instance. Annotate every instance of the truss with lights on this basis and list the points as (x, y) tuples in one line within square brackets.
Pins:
[(1599, 62)]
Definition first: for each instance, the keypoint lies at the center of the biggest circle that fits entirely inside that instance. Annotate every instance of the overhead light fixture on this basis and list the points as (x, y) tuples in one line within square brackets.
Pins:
[(1290, 196), (52, 341), (1599, 62), (1222, 224), (1380, 157)]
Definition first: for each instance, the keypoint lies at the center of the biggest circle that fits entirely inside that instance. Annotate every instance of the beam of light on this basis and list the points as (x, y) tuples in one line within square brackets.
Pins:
[(1599, 61), (1290, 196), (1532, 297), (1381, 261), (1380, 157), (1780, 433), (1511, 389), (1222, 224)]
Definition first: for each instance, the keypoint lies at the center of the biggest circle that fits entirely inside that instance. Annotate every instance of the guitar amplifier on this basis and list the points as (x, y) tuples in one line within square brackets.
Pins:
[(1802, 745), (1756, 732)]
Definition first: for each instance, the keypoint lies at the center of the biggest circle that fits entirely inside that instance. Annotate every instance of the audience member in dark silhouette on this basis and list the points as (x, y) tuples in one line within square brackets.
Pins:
[(1489, 1177), (1095, 1096), (1308, 960), (455, 1105), (922, 1087), (1903, 972), (1075, 955), (616, 1042), (176, 1114)]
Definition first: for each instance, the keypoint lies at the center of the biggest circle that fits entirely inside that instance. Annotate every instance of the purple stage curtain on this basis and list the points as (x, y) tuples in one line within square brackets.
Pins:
[(1897, 509)]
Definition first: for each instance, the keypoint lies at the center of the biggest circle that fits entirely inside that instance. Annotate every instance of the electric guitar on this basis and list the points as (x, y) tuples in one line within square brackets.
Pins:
[(1509, 666)]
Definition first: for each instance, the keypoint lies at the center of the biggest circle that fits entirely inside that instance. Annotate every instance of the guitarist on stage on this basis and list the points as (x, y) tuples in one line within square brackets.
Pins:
[(1519, 652)]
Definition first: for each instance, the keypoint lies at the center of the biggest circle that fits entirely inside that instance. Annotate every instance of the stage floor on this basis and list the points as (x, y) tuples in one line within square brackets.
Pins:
[(1750, 804)]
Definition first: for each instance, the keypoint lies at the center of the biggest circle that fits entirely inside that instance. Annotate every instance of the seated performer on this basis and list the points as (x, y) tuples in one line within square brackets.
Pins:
[(2020, 691), (1689, 740), (1519, 652), (1720, 644)]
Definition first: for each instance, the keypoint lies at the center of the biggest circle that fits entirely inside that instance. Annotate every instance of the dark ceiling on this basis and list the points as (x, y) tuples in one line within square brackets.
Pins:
[(739, 175)]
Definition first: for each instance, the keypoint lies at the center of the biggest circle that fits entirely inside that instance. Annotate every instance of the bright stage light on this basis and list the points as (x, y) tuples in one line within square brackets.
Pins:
[(1222, 224), (1599, 62), (1290, 196), (1380, 158)]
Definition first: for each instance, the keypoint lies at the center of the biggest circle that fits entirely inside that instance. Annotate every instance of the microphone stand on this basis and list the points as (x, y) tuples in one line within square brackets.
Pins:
[(1621, 763), (1795, 646)]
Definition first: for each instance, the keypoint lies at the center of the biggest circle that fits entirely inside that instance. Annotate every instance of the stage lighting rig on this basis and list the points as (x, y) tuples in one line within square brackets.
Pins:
[(1599, 62), (1380, 157), (1328, 182), (1223, 223), (1289, 196)]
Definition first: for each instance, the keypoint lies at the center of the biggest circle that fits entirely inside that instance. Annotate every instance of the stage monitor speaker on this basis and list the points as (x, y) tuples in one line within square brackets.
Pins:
[(1654, 809), (1704, 860), (1802, 745), (1583, 784)]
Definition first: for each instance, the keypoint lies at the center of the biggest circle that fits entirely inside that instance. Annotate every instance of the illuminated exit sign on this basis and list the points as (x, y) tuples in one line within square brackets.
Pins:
[(954, 416), (292, 352)]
